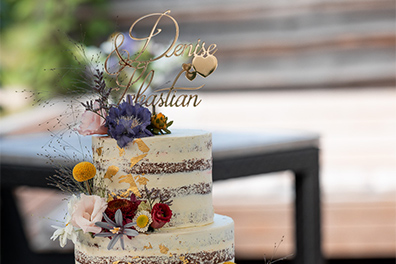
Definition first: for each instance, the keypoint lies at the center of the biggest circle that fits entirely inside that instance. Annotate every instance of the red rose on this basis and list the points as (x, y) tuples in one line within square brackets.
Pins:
[(161, 214), (128, 209)]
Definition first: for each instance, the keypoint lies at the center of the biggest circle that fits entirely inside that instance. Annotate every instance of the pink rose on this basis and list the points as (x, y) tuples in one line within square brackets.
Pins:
[(87, 211), (92, 123), (161, 214)]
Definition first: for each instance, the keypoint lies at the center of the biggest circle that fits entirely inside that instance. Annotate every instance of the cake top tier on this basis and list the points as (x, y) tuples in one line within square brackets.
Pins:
[(177, 166)]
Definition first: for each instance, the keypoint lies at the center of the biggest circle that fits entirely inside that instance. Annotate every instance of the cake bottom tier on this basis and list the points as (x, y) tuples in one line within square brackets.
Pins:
[(213, 243)]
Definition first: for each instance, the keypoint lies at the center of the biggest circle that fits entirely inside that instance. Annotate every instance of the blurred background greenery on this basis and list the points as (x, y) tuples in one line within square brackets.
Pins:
[(38, 37)]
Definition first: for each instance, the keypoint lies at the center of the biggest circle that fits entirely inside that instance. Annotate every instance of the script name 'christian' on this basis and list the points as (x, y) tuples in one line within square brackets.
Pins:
[(135, 68)]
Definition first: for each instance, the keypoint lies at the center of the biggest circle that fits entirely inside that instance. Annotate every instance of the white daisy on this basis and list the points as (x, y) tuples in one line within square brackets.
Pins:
[(143, 221)]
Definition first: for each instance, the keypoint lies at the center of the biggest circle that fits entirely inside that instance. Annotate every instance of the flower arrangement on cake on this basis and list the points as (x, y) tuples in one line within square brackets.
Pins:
[(122, 217), (115, 217)]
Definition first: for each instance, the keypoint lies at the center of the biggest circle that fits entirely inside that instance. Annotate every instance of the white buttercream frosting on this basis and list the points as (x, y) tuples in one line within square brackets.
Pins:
[(178, 164), (215, 240)]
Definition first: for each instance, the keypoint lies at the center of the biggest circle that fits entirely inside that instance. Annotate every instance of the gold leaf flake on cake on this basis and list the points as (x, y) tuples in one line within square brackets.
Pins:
[(185, 261), (148, 247), (121, 151), (141, 180), (163, 249), (99, 151), (124, 195), (132, 184), (141, 145), (111, 171), (135, 160), (111, 197)]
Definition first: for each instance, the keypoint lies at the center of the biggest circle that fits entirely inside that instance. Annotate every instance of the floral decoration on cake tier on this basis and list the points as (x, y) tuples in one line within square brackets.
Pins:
[(115, 217)]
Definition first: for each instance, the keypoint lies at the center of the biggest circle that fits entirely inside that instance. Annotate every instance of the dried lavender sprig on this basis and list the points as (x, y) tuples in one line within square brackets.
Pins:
[(64, 180), (103, 92), (154, 194)]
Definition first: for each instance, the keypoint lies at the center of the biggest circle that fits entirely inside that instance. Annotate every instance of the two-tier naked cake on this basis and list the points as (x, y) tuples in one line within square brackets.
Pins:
[(145, 196), (179, 166)]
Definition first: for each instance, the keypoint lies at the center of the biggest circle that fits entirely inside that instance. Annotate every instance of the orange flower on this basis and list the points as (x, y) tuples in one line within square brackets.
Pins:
[(159, 124), (159, 121), (84, 171)]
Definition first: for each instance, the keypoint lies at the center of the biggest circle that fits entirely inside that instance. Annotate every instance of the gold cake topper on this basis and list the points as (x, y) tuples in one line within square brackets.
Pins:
[(203, 63)]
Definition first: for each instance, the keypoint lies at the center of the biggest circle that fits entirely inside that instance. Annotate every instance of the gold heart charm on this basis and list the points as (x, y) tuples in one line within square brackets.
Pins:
[(204, 66), (186, 66), (191, 75)]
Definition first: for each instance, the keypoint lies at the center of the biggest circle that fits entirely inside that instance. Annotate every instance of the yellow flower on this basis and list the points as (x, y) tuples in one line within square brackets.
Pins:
[(142, 221), (115, 230), (84, 171)]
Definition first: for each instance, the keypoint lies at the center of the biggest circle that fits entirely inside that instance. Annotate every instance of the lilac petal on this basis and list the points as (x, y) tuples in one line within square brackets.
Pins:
[(113, 241), (104, 225), (130, 224), (108, 220), (131, 232), (119, 129), (122, 242), (130, 130), (118, 217), (128, 109), (123, 141), (129, 99), (104, 234), (148, 132)]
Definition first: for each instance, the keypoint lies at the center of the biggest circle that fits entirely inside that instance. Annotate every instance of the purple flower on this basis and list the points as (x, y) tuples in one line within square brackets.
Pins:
[(127, 122), (116, 229)]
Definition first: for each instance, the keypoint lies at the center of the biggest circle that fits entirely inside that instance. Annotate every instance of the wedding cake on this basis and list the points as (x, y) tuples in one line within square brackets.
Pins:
[(145, 194), (178, 166)]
